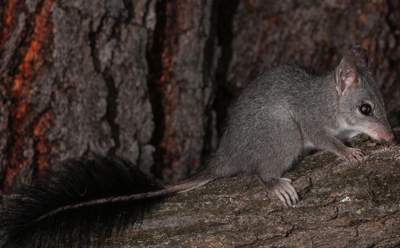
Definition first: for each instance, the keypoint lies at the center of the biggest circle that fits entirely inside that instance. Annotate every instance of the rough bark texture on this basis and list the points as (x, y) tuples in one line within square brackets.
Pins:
[(111, 77), (77, 82), (343, 205), (182, 60)]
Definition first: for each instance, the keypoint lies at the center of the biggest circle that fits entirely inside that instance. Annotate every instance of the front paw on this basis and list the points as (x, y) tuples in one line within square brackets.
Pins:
[(352, 154)]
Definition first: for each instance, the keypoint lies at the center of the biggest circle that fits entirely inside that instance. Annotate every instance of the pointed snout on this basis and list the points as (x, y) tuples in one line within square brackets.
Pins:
[(388, 137), (381, 133)]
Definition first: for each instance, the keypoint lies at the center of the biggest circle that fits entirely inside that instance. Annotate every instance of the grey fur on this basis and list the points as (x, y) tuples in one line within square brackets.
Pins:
[(287, 111)]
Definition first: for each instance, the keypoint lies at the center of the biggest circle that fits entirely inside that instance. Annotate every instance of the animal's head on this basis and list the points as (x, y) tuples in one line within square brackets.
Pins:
[(361, 106)]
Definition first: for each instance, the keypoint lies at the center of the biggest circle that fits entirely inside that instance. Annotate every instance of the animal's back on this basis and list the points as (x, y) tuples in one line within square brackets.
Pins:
[(261, 115)]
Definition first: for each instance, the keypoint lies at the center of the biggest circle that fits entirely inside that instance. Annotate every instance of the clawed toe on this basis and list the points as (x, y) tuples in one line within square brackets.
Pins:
[(286, 179), (286, 192), (353, 154)]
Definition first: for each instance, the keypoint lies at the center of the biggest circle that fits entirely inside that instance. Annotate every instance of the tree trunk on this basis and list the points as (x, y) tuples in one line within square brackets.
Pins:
[(131, 78)]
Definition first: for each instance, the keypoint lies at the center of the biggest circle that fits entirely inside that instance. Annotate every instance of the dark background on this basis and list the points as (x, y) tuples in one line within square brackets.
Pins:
[(151, 80)]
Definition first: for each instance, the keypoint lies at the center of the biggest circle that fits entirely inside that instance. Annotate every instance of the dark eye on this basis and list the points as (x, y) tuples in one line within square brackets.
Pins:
[(365, 109)]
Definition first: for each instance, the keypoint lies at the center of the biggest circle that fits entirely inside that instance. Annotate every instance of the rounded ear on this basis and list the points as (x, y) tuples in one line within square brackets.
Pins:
[(345, 76), (346, 73)]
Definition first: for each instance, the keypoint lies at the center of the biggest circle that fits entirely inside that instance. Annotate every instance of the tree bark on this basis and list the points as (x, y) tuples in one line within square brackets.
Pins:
[(110, 77)]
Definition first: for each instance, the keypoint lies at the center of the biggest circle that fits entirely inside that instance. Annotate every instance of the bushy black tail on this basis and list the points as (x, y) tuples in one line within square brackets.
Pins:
[(77, 203)]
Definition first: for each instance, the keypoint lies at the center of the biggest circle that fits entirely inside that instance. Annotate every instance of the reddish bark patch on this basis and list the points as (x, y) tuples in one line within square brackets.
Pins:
[(21, 95), (169, 87), (7, 21), (41, 147)]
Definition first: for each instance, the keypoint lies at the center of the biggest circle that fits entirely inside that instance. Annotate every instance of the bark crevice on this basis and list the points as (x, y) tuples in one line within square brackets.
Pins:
[(154, 55), (111, 112), (224, 94)]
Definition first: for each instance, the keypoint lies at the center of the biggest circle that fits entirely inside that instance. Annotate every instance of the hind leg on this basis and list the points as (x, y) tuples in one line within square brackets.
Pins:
[(272, 168), (284, 149)]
